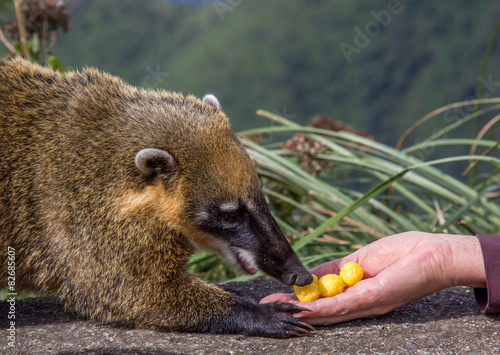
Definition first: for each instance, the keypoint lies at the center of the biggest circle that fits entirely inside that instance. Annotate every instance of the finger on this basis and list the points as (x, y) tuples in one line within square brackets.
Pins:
[(283, 297), (343, 318), (331, 267), (334, 266), (341, 310), (364, 299)]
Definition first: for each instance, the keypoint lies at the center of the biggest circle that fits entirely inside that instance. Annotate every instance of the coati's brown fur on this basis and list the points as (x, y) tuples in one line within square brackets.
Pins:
[(104, 188)]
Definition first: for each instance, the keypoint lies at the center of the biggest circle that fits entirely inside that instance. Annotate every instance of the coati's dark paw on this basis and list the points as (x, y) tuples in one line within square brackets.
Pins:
[(267, 320)]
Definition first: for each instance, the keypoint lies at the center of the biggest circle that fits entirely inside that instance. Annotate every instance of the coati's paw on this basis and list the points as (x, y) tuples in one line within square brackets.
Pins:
[(267, 320)]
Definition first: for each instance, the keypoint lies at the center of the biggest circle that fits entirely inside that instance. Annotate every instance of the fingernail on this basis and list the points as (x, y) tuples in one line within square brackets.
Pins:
[(298, 315)]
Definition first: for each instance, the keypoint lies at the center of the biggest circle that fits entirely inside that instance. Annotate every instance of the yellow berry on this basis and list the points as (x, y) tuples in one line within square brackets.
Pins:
[(351, 273), (315, 279), (307, 293), (330, 285)]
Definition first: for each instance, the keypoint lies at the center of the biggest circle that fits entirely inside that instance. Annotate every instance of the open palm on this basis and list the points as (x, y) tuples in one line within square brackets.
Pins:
[(398, 269)]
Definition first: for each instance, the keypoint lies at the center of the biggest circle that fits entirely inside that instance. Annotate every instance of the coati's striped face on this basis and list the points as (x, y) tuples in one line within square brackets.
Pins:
[(214, 197), (242, 229)]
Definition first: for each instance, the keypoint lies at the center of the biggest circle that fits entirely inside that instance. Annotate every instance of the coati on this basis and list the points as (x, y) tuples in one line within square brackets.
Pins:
[(104, 188)]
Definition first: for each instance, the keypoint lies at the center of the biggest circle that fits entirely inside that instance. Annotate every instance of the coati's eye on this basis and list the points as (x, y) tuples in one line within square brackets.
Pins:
[(230, 210), (230, 214), (219, 218)]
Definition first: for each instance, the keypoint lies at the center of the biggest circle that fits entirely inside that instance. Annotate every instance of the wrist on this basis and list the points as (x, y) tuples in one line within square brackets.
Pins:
[(467, 265)]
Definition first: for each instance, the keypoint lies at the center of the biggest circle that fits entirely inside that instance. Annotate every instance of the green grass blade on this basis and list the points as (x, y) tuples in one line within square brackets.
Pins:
[(348, 210)]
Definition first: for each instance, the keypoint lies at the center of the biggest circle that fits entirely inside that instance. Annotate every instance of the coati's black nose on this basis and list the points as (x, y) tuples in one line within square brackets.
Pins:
[(301, 279), (294, 273)]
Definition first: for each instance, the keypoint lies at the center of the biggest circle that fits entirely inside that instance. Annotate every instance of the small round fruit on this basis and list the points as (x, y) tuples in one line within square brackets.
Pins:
[(308, 293), (351, 273), (315, 280), (330, 285)]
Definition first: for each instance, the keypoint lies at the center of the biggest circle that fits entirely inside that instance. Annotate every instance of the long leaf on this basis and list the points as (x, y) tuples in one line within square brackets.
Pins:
[(348, 210)]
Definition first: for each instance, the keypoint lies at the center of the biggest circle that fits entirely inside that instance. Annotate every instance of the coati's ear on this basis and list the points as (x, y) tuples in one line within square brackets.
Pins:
[(155, 162), (212, 100)]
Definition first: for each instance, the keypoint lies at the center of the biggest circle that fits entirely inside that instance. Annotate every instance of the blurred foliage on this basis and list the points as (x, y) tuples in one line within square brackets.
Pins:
[(30, 28), (285, 56)]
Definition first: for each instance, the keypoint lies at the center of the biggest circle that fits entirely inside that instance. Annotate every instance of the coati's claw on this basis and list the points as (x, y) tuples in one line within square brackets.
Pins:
[(301, 331), (272, 320), (308, 326), (292, 308)]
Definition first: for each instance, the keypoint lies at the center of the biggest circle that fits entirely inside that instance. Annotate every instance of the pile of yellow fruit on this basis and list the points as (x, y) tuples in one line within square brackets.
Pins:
[(331, 284)]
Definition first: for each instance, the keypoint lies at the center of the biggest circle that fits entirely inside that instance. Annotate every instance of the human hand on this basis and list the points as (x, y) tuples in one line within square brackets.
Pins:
[(398, 269)]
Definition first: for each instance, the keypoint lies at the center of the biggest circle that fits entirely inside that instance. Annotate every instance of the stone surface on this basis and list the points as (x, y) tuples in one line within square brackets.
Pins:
[(447, 322)]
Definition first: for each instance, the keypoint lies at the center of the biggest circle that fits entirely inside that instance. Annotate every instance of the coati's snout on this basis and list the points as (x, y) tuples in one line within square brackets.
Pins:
[(246, 234)]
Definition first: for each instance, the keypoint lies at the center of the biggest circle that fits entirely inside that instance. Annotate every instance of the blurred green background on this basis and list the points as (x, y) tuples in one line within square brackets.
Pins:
[(287, 57)]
